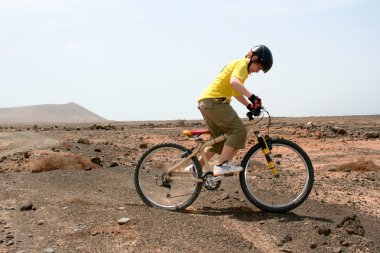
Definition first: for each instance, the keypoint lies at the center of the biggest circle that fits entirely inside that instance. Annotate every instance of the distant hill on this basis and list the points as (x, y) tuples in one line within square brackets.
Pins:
[(49, 113)]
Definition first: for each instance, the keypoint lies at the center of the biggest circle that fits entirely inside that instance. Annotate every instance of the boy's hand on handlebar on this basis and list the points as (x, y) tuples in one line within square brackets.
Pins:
[(255, 100), (255, 111)]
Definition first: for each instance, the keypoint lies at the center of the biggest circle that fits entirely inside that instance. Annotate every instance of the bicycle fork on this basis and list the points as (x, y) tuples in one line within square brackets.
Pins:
[(266, 149)]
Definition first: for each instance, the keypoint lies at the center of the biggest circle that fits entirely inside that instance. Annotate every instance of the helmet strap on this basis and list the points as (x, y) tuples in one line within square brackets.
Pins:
[(250, 62)]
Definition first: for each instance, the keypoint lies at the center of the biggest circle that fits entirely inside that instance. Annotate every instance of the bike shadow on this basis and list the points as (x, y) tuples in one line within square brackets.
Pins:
[(251, 214)]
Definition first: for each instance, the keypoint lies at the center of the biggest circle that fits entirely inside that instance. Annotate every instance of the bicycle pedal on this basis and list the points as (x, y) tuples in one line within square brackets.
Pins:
[(218, 178)]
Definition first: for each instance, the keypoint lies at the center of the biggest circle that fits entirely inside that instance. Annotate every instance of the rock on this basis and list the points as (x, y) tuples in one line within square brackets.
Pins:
[(9, 237), (143, 145), (276, 241), (49, 250), (98, 150), (26, 154), (83, 141), (352, 225), (345, 243), (10, 242), (122, 221), (114, 164), (338, 130), (40, 222), (337, 250), (313, 246), (286, 250), (323, 230), (96, 160), (27, 206), (286, 239), (224, 196), (371, 135)]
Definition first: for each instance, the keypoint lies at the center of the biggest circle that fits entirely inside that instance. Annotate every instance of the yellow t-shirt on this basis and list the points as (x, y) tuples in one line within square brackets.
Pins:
[(221, 86)]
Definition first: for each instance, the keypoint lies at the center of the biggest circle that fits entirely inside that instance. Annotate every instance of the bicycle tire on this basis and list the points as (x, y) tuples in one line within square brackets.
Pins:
[(267, 192), (148, 175)]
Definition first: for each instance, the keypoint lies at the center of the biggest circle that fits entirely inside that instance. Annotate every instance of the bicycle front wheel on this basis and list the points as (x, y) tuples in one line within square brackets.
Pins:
[(175, 190), (280, 193)]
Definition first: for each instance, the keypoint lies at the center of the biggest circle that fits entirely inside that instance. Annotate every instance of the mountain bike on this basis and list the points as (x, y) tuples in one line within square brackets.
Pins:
[(277, 174)]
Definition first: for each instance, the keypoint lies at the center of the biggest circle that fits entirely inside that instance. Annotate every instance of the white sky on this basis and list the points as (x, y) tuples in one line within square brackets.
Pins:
[(150, 60)]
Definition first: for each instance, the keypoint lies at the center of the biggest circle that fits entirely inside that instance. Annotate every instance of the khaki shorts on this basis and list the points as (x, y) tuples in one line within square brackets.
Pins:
[(221, 118)]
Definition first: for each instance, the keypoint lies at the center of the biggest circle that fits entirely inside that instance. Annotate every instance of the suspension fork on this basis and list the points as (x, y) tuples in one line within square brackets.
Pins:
[(266, 149)]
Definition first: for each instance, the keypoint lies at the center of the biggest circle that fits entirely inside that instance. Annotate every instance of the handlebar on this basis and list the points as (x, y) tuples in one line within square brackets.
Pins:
[(255, 113)]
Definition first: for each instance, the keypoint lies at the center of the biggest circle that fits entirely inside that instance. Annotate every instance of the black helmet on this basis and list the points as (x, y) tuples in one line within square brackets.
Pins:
[(265, 57)]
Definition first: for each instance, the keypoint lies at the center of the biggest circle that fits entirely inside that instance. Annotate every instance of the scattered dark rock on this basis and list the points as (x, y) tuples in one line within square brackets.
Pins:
[(313, 246), (286, 239), (27, 206), (352, 225), (26, 154), (338, 130), (323, 230), (96, 160), (83, 141), (100, 127), (143, 145), (371, 135), (98, 150), (114, 164)]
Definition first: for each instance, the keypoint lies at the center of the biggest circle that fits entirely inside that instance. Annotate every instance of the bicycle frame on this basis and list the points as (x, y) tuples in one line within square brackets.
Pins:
[(199, 150)]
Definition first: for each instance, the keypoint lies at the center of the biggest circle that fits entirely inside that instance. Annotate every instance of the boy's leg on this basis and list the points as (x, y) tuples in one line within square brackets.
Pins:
[(209, 155), (227, 154)]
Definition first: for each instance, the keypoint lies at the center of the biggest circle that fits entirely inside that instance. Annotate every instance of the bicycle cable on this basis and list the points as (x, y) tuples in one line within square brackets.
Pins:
[(269, 119)]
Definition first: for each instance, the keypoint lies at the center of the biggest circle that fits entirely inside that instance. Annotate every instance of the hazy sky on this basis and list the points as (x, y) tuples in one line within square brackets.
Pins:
[(142, 60)]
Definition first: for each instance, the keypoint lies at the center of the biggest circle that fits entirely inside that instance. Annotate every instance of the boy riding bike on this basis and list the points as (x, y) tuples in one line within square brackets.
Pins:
[(220, 117)]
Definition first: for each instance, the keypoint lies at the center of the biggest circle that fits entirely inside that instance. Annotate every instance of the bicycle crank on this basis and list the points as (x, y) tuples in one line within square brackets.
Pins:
[(210, 182)]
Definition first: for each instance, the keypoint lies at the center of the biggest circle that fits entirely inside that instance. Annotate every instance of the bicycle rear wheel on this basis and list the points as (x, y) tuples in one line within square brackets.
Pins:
[(286, 191), (174, 191)]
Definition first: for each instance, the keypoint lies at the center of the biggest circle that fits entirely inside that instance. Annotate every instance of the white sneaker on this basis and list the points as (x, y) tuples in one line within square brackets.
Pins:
[(226, 168), (189, 169)]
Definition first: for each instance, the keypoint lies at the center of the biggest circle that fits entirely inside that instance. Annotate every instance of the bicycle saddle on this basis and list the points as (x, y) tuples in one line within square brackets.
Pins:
[(195, 132)]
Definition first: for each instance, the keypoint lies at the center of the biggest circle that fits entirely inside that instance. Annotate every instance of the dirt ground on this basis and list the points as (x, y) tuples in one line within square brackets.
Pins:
[(64, 188)]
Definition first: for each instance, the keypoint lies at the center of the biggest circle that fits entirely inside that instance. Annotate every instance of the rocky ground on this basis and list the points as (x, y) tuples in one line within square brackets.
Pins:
[(69, 188)]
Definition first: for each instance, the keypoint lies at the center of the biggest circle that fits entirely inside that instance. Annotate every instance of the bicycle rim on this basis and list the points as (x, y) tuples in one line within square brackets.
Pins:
[(175, 192), (282, 193)]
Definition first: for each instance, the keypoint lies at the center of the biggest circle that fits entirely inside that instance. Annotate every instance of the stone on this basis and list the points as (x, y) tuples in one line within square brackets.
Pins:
[(224, 196), (338, 130), (27, 206), (96, 160), (114, 164), (323, 230), (84, 141), (313, 246), (286, 239), (352, 225), (337, 250), (371, 135), (49, 250), (122, 221), (143, 145)]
